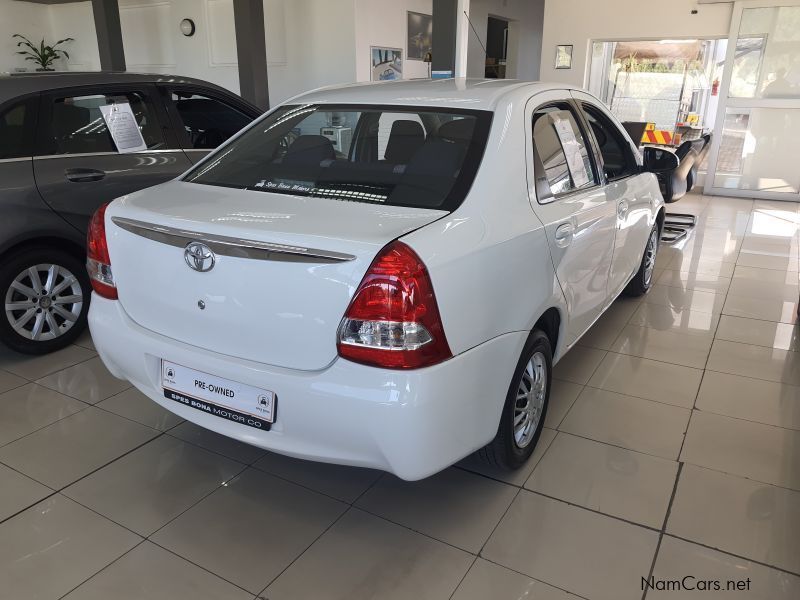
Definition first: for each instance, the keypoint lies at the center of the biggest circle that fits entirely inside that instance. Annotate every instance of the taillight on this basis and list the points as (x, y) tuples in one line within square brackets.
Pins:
[(393, 320), (98, 262)]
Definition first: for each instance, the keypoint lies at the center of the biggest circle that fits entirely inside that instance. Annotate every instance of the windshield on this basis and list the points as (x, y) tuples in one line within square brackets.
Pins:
[(396, 156)]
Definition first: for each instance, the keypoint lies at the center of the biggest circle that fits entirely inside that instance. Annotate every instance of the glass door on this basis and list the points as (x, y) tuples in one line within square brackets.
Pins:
[(756, 141)]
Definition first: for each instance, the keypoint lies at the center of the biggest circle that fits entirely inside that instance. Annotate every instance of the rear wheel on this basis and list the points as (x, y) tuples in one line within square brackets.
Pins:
[(45, 295), (643, 280), (525, 408)]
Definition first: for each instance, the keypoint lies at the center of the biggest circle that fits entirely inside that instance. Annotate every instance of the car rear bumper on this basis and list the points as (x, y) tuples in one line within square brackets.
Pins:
[(410, 423)]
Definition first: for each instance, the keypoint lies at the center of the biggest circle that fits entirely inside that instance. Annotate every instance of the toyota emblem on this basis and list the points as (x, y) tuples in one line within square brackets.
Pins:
[(199, 257)]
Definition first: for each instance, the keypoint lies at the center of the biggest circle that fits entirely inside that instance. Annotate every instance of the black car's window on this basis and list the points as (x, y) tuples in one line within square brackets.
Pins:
[(77, 125), (618, 159), (207, 121), (427, 159), (14, 138), (562, 149)]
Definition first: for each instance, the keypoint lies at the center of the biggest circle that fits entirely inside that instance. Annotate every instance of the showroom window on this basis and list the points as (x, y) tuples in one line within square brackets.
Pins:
[(562, 149), (207, 121), (12, 132), (78, 126), (618, 159)]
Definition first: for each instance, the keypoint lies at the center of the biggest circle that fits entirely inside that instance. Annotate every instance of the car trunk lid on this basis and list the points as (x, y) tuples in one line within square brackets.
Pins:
[(283, 273)]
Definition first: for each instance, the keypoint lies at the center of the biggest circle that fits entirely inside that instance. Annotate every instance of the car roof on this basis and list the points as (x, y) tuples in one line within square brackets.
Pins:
[(21, 84), (465, 93)]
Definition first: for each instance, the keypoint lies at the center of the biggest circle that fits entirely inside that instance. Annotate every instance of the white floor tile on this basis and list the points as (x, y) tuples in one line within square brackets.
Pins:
[(622, 483), (572, 548), (739, 516)]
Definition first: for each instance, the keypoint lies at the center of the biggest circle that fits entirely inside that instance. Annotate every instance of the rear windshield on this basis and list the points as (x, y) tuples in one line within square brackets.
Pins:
[(385, 155)]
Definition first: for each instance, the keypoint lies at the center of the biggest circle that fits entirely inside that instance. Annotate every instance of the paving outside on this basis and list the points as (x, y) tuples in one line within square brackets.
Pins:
[(671, 449)]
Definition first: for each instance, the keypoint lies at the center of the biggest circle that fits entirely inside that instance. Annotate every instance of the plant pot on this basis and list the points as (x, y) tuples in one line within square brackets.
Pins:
[(43, 70)]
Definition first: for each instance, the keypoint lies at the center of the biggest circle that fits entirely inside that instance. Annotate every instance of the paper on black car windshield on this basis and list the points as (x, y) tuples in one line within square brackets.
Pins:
[(123, 127)]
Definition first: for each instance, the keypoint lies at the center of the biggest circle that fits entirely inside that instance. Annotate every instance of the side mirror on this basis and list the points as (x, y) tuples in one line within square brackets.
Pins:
[(659, 160)]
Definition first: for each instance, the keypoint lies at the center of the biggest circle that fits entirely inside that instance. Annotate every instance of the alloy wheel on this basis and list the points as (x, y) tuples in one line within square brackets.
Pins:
[(43, 302), (650, 257), (529, 405)]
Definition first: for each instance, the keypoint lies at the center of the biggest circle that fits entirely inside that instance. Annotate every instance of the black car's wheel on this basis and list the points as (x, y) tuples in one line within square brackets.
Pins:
[(643, 280), (525, 408), (45, 293)]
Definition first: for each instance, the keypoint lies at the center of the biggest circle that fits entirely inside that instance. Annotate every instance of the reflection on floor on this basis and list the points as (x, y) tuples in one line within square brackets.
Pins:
[(672, 448)]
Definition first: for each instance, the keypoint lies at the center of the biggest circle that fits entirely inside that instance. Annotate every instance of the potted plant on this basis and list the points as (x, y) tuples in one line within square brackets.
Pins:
[(43, 55)]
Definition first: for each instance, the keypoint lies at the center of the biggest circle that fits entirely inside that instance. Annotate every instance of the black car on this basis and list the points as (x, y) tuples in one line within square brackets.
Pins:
[(58, 163)]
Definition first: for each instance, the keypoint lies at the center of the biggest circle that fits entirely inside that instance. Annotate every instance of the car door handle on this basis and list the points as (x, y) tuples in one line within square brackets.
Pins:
[(83, 175), (622, 209), (563, 235)]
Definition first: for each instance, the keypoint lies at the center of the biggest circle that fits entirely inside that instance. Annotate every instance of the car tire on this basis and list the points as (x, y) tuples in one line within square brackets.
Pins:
[(643, 280), (38, 321), (514, 444)]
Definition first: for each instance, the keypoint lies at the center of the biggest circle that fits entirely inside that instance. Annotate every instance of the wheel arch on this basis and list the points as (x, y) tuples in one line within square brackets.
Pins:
[(550, 323), (45, 241), (660, 218)]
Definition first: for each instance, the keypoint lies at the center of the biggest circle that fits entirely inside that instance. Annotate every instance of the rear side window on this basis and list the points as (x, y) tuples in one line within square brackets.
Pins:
[(618, 159), (562, 149), (15, 135), (411, 157), (77, 125), (207, 121)]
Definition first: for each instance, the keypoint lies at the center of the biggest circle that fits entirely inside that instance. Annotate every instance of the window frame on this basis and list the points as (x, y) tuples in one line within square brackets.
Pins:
[(544, 193), (633, 164), (31, 102), (176, 122), (44, 130)]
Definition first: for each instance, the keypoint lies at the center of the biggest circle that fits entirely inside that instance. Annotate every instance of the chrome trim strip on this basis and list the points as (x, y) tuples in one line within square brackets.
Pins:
[(19, 159), (89, 154), (229, 246)]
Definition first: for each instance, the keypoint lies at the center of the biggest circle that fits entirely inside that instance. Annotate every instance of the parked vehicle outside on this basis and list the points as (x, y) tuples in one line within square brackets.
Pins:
[(395, 303), (58, 163)]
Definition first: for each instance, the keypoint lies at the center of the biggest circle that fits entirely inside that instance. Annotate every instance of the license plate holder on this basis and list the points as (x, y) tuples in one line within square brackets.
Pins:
[(220, 397)]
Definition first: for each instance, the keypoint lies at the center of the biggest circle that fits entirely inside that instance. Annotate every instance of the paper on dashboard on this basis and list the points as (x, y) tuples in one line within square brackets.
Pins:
[(122, 126)]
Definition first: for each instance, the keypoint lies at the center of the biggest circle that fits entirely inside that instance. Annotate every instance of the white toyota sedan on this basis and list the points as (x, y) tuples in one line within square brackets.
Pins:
[(379, 275)]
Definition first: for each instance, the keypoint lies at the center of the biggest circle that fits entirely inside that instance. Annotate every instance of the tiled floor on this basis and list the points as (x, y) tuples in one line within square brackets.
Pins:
[(672, 448)]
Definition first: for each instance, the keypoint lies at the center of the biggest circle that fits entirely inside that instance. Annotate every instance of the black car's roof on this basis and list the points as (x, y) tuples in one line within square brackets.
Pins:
[(19, 84)]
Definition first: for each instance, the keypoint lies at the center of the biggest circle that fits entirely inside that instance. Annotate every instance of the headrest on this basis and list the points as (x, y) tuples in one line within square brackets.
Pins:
[(457, 130), (405, 139), (309, 150)]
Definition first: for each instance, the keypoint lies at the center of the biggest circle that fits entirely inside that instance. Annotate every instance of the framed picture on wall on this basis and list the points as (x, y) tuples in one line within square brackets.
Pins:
[(420, 34), (564, 56), (387, 63)]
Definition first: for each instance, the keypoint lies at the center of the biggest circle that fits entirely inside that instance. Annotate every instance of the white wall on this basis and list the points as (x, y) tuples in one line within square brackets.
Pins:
[(578, 22), (309, 42), (75, 20), (320, 48), (27, 19), (385, 23), (525, 33)]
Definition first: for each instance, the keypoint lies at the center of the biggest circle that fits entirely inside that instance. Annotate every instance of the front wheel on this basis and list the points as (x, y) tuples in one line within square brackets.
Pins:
[(525, 408), (643, 280), (45, 294)]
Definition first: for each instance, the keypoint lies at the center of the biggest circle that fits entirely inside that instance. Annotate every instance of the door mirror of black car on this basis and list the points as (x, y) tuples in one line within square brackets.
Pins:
[(659, 160)]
